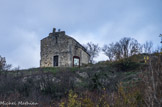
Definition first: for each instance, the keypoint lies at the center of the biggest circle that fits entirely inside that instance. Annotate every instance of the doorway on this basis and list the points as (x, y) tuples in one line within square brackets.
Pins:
[(55, 60)]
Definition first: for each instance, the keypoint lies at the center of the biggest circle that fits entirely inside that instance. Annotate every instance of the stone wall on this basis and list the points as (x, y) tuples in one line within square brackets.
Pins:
[(57, 43)]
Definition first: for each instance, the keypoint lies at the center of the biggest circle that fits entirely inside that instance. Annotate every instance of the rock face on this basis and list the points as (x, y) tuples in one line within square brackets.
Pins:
[(59, 49)]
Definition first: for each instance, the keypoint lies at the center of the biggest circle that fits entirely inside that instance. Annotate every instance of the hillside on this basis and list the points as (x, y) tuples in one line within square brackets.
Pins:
[(125, 82)]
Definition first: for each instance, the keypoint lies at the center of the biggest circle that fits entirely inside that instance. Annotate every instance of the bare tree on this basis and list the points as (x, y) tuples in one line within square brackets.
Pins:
[(108, 51), (134, 47), (113, 51), (117, 51), (147, 46), (3, 65), (93, 50), (129, 47), (124, 45), (122, 49)]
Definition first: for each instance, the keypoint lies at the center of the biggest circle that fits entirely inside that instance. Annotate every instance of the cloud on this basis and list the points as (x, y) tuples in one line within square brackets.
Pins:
[(25, 23), (113, 32), (23, 49)]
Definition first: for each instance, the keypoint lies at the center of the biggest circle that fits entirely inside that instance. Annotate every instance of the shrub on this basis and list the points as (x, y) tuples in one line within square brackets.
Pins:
[(126, 65), (128, 97)]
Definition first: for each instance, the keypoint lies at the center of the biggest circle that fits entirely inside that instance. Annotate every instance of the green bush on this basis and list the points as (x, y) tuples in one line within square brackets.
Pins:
[(126, 65)]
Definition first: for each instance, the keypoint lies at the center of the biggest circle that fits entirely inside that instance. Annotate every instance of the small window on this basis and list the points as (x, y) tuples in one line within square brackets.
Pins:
[(76, 61)]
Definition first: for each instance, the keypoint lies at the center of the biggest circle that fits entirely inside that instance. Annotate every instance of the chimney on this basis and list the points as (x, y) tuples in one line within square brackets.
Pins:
[(54, 30)]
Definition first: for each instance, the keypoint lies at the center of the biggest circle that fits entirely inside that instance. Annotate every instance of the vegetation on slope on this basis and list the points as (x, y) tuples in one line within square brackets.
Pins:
[(129, 82)]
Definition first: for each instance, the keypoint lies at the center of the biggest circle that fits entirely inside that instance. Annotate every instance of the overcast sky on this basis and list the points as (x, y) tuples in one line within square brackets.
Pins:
[(23, 23)]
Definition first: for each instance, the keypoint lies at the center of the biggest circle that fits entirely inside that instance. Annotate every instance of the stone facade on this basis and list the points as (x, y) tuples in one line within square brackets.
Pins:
[(59, 49)]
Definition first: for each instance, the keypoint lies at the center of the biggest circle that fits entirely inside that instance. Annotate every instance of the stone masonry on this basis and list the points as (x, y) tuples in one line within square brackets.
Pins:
[(59, 49)]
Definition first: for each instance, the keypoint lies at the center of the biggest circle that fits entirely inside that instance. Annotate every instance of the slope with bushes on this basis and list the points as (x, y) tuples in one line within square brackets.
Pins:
[(127, 82)]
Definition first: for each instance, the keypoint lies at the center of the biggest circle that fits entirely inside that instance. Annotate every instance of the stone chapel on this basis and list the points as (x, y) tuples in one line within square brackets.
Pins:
[(61, 50)]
